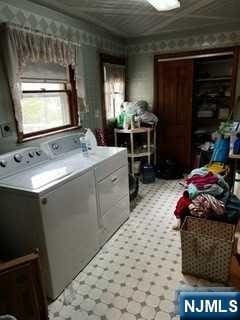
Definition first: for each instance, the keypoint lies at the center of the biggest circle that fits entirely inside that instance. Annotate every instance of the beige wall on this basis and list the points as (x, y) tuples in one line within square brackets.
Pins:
[(140, 78)]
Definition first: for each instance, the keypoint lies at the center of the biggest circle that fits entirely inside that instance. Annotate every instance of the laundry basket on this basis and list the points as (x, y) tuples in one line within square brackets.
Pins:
[(207, 248)]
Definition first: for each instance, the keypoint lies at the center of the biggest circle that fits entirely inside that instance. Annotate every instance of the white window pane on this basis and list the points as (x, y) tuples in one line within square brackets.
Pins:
[(40, 86), (119, 99), (44, 111), (114, 89), (113, 103)]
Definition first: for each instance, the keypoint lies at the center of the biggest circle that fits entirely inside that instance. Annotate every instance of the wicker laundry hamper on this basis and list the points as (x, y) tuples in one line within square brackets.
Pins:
[(207, 248)]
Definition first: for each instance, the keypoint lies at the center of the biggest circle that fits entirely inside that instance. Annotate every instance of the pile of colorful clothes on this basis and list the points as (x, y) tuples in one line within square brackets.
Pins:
[(202, 180), (207, 195)]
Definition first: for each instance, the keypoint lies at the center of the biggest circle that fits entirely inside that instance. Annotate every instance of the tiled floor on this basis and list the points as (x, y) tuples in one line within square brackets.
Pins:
[(136, 273)]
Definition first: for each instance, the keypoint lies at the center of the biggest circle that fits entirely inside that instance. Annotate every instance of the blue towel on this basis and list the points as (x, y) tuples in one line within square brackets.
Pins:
[(221, 150)]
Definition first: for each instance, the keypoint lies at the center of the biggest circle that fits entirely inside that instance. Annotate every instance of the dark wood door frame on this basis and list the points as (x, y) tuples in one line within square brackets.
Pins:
[(106, 58), (194, 54)]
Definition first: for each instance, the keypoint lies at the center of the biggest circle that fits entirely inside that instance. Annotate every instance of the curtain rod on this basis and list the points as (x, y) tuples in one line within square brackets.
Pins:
[(35, 31), (197, 56)]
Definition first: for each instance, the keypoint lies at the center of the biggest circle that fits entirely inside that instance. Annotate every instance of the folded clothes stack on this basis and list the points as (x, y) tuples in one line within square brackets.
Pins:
[(202, 180), (207, 195)]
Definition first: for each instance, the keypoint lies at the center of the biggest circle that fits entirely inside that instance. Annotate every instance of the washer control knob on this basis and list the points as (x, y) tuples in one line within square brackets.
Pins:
[(18, 157), (39, 153), (55, 146), (3, 163), (31, 154)]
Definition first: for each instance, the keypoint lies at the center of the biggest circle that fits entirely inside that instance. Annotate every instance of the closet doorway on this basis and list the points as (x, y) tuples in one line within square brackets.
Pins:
[(173, 96), (194, 93)]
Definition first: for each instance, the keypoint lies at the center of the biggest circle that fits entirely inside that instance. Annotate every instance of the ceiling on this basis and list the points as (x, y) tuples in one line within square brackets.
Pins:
[(137, 18)]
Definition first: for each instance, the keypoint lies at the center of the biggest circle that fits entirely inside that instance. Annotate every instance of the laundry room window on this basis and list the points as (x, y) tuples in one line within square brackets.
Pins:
[(114, 86), (48, 99)]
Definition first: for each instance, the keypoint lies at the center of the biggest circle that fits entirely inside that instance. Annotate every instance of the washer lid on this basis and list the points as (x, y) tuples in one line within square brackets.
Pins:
[(46, 176), (37, 178)]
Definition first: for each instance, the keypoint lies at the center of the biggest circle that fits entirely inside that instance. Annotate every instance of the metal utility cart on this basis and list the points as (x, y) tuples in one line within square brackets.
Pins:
[(151, 144)]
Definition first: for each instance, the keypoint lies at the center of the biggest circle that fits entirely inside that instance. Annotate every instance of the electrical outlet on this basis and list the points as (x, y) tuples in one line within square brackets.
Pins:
[(6, 129)]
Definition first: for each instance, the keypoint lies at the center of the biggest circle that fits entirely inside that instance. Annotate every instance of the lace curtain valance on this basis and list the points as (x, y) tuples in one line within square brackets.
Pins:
[(37, 48), (20, 47)]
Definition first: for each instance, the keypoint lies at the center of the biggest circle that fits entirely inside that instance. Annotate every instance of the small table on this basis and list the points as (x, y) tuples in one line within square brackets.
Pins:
[(235, 158)]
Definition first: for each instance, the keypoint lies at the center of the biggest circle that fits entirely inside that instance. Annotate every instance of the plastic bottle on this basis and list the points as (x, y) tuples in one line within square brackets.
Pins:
[(84, 146)]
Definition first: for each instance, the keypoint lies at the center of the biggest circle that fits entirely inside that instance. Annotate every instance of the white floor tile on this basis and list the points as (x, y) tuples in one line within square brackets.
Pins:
[(139, 296), (148, 312), (120, 303), (135, 275), (162, 316), (107, 297), (127, 316), (134, 307), (113, 314), (100, 309)]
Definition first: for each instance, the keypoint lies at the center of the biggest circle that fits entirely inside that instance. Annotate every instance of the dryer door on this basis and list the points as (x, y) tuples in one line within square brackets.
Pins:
[(69, 216)]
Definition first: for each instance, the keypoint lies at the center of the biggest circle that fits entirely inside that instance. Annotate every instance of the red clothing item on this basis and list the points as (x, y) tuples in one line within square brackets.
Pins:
[(201, 181), (182, 205)]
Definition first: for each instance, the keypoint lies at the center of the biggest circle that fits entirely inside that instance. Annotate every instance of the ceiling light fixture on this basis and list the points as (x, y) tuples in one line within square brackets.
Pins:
[(165, 5)]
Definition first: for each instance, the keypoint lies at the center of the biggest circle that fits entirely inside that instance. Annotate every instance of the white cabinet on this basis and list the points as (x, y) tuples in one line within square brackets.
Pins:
[(114, 218), (112, 194), (113, 188), (111, 164)]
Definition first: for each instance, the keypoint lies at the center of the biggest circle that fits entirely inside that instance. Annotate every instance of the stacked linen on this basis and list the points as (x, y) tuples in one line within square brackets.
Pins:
[(208, 192), (207, 196), (201, 181), (203, 206)]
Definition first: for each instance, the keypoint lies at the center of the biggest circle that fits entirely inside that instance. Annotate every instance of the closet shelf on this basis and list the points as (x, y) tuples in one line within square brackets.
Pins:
[(206, 120), (214, 79)]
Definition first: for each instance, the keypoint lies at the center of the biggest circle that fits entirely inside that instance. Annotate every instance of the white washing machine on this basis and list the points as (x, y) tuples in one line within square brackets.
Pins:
[(64, 203), (50, 205), (110, 166)]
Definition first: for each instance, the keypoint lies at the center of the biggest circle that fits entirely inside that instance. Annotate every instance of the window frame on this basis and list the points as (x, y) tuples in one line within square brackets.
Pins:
[(72, 109), (105, 58)]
